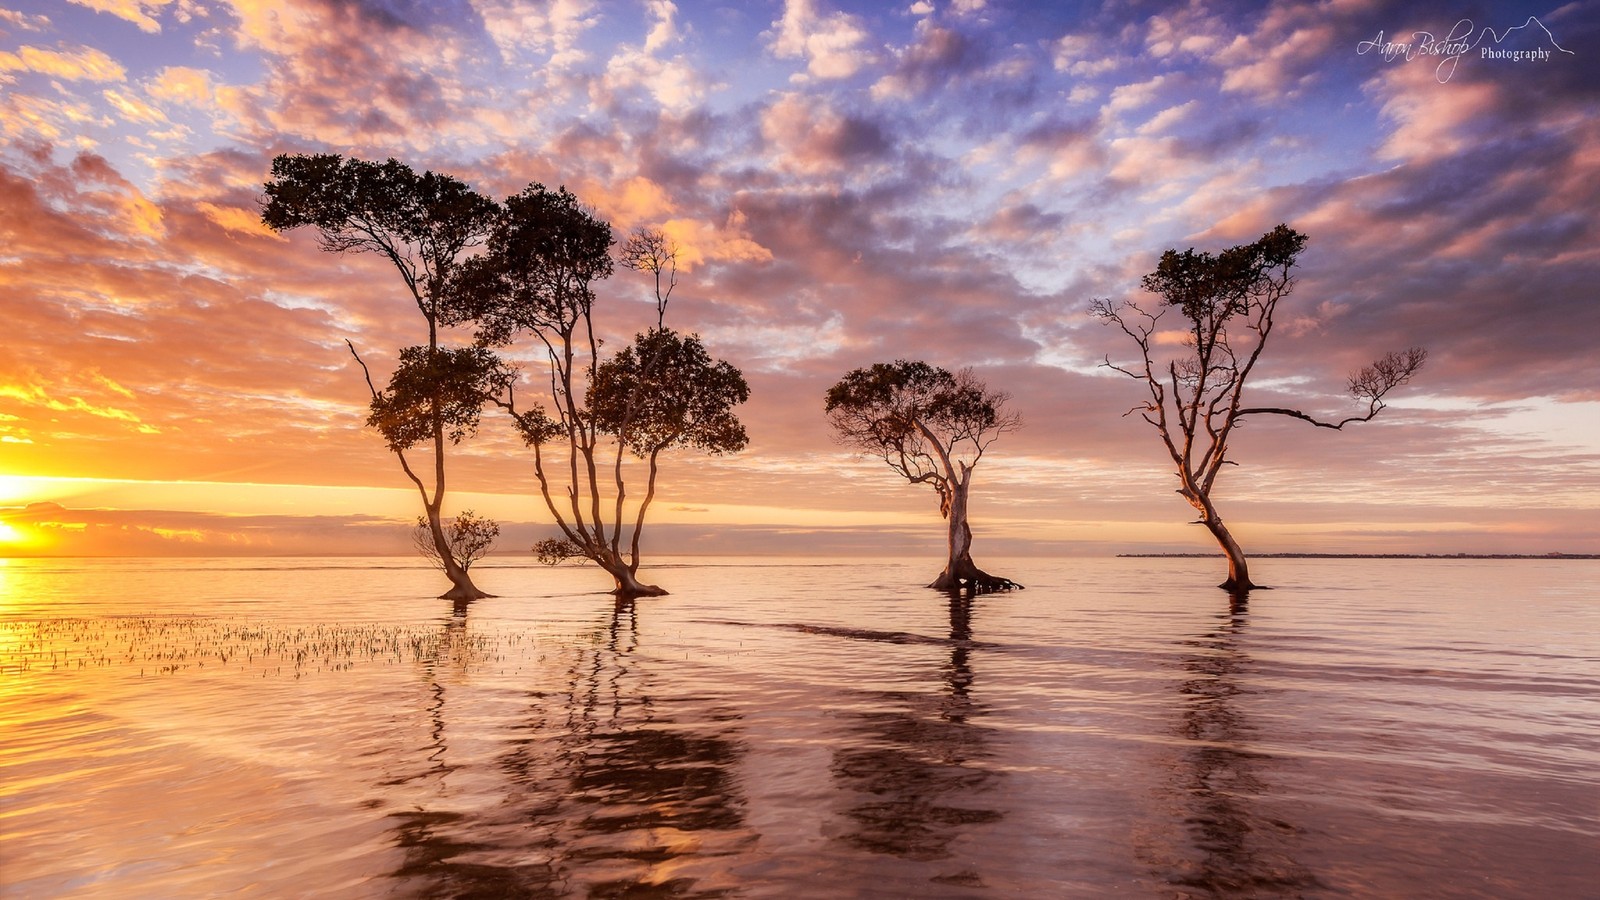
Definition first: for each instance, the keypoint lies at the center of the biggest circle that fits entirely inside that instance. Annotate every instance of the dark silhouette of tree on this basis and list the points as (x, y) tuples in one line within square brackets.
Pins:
[(469, 535), (932, 427), (660, 393), (1196, 398), (555, 551), (423, 225)]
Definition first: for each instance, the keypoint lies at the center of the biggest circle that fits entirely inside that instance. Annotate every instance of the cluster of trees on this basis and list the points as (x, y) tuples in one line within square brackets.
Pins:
[(525, 268), (500, 272)]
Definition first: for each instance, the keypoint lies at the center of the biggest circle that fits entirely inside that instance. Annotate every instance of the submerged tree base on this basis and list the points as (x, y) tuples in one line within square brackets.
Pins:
[(964, 576), (628, 587), (1236, 587), (643, 590), (461, 593)]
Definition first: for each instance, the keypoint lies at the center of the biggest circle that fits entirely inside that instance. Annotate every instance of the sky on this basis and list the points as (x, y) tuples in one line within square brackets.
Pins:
[(848, 183)]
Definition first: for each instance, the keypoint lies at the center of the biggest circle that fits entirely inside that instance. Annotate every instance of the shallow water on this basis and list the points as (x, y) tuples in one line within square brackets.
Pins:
[(1394, 728)]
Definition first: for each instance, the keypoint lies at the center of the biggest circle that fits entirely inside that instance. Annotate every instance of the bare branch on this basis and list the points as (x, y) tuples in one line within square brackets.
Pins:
[(364, 370), (650, 250), (1371, 383)]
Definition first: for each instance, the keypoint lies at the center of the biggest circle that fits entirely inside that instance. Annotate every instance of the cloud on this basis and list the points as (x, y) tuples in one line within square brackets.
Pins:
[(1127, 97), (1068, 147), (809, 136), (847, 186), (132, 109), (674, 83), (51, 529), (1023, 223), (831, 43), (140, 12), (73, 64), (938, 57), (24, 21), (1081, 55), (552, 28), (182, 85)]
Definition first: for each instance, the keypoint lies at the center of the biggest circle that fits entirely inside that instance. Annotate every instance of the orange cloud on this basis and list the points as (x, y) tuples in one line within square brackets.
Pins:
[(140, 12), (132, 108), (181, 84), (80, 64), (244, 221)]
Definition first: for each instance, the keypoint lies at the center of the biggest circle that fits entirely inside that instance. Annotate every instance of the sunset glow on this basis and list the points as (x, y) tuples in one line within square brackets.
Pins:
[(848, 183)]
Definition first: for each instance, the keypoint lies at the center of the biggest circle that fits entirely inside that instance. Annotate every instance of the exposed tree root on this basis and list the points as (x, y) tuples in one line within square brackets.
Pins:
[(971, 579), (628, 587)]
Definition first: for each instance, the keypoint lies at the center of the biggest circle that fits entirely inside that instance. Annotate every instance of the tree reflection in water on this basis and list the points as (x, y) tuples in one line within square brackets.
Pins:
[(602, 794), (915, 774), (1234, 848)]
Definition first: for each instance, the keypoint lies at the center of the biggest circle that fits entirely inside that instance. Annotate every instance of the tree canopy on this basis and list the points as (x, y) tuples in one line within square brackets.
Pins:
[(920, 419), (434, 389), (420, 223), (469, 536), (666, 391), (536, 273)]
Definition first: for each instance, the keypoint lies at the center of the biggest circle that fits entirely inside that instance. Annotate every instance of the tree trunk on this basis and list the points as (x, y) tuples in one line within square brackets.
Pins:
[(1238, 568), (461, 586), (960, 572), (628, 584)]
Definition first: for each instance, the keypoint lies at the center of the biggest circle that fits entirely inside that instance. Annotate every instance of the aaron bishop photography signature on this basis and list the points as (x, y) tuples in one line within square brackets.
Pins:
[(1462, 40)]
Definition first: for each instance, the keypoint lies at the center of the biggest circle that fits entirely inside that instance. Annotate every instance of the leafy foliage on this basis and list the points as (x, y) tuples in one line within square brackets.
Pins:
[(1212, 288), (918, 418), (555, 551), (468, 536), (436, 390), (535, 274), (665, 391), (421, 223)]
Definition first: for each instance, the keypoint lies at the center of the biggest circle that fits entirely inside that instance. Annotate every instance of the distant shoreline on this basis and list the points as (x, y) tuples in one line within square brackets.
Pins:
[(1366, 556)]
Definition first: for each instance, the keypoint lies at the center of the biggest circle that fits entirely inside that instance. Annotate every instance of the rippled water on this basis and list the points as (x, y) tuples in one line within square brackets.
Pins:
[(786, 729)]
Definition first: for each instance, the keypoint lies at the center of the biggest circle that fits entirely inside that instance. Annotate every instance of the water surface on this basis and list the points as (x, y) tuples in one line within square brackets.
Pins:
[(783, 728)]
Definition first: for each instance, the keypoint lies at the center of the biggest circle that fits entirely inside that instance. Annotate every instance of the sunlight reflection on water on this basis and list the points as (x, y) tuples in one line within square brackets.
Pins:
[(784, 728)]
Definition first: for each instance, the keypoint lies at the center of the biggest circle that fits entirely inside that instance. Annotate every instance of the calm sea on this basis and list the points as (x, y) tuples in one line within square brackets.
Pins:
[(786, 728)]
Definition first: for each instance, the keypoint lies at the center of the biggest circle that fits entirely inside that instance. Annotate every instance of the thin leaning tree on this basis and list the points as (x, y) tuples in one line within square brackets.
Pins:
[(423, 225), (660, 393), (931, 427), (1196, 398)]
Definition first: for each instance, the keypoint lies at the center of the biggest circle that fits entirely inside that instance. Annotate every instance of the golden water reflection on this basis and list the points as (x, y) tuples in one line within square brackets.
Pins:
[(605, 790)]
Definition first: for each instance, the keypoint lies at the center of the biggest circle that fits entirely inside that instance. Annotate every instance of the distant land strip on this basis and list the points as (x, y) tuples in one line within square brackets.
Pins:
[(1367, 555)]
